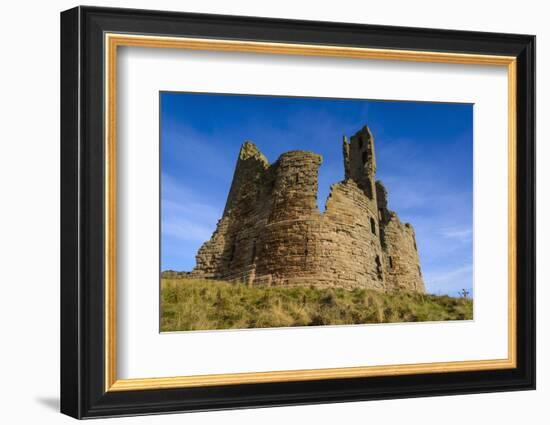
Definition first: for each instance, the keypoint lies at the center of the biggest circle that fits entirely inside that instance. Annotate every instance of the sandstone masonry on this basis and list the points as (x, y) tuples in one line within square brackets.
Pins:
[(273, 233)]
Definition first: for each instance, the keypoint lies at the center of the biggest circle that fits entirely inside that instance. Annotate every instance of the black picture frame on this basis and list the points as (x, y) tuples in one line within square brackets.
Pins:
[(83, 392)]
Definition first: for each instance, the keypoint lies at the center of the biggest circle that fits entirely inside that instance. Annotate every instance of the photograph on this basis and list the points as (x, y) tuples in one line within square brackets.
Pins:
[(284, 211)]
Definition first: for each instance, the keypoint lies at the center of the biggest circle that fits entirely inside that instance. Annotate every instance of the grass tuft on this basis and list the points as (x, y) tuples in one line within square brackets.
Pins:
[(194, 304)]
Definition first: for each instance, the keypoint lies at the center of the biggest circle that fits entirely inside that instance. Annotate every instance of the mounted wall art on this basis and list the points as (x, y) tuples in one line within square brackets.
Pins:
[(261, 212)]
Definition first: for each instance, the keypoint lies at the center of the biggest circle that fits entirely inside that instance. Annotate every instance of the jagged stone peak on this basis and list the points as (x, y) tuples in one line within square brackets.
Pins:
[(250, 150), (365, 129)]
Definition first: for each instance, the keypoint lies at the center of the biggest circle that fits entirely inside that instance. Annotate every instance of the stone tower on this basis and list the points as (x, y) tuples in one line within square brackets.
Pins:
[(273, 233), (360, 161)]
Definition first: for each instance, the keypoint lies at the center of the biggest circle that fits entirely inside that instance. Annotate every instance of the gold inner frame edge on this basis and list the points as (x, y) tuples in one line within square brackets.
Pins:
[(112, 41)]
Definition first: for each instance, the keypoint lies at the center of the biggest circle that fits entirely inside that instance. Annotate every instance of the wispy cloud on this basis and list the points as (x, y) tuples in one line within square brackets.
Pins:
[(185, 215), (186, 230), (183, 145), (462, 235), (451, 280), (184, 201)]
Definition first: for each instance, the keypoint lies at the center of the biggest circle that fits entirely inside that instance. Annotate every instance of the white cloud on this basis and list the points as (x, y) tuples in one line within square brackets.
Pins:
[(184, 214), (186, 230), (184, 145), (450, 280), (460, 234)]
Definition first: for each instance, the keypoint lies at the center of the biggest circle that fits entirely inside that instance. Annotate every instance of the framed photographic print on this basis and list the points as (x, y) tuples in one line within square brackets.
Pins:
[(261, 212)]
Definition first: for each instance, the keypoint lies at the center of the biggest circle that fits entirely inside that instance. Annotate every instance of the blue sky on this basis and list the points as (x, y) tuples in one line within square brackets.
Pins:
[(423, 150)]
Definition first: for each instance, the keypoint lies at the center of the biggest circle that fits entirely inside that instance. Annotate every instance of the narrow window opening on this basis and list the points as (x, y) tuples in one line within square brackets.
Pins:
[(296, 179), (419, 272), (378, 268), (232, 253), (414, 243), (372, 225), (391, 262)]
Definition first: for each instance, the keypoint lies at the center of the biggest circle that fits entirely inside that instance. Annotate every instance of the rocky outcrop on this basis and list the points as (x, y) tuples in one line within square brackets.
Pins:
[(272, 232)]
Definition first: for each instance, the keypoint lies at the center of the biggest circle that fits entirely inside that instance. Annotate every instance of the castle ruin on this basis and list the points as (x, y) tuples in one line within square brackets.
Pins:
[(273, 233)]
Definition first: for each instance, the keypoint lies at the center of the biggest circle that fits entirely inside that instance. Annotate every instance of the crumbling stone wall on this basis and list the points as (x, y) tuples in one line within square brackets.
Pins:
[(273, 233), (401, 260)]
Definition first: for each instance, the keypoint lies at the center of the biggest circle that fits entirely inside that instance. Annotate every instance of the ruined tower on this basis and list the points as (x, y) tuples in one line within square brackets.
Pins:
[(273, 233)]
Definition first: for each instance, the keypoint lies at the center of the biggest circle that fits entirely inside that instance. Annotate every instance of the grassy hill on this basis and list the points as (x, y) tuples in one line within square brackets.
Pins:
[(190, 304)]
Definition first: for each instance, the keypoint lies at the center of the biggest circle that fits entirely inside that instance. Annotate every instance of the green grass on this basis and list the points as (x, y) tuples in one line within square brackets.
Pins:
[(191, 304)]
